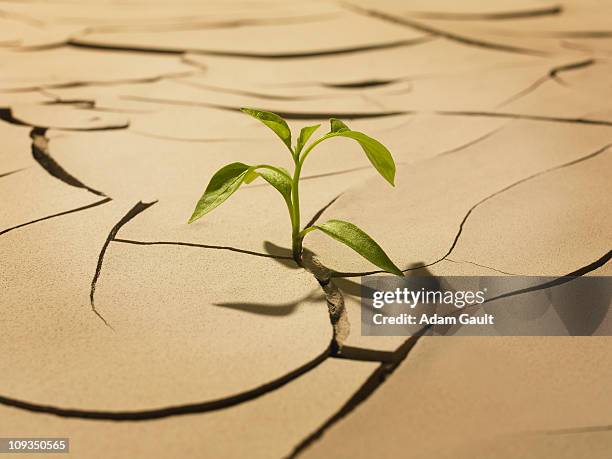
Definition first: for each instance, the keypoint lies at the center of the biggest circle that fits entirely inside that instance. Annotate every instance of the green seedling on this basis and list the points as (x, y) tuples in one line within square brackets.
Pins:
[(228, 179)]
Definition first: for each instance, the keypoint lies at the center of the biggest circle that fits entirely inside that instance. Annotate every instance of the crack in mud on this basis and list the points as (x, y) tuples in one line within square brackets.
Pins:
[(6, 114), (320, 212), (552, 75), (203, 246), (362, 84), (482, 266), (133, 212), (497, 16), (79, 43), (415, 25), (578, 430), (381, 114), (177, 410), (364, 354), (579, 34), (66, 212), (266, 96), (283, 114), (384, 371), (40, 152), (6, 174), (333, 296), (519, 182), (470, 143), (336, 309), (337, 314), (83, 104), (81, 84), (560, 280), (518, 116), (241, 92)]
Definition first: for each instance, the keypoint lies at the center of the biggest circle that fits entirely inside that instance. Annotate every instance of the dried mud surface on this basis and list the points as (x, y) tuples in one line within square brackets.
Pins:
[(137, 335)]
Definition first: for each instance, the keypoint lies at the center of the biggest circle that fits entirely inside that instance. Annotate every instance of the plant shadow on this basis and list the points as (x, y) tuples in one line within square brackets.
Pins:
[(270, 309), (347, 286)]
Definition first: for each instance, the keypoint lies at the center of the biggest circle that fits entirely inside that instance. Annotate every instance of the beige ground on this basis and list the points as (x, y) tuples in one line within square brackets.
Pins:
[(139, 336)]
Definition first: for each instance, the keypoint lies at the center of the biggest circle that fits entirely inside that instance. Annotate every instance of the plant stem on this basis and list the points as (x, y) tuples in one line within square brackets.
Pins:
[(296, 238)]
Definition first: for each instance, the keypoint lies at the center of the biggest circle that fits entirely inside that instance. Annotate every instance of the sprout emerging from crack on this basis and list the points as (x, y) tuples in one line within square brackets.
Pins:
[(228, 179)]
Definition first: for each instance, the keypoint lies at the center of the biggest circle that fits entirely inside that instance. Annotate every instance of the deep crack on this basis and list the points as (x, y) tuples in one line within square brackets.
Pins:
[(138, 208), (169, 411), (6, 114), (322, 210), (41, 154), (78, 43), (66, 212)]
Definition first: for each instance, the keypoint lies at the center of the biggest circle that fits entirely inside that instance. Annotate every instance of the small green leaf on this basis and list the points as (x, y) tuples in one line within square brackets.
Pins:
[(278, 178), (305, 134), (228, 179), (273, 121), (250, 176), (376, 152), (360, 242), (337, 125), (222, 185)]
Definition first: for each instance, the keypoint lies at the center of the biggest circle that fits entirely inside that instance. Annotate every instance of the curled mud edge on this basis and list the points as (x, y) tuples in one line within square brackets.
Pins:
[(335, 301)]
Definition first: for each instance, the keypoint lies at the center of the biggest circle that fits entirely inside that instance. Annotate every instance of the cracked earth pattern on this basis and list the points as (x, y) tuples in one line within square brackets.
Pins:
[(137, 335)]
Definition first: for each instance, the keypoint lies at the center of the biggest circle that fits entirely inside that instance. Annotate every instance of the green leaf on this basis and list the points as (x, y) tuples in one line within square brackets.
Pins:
[(222, 185), (337, 125), (276, 177), (273, 121), (228, 179), (305, 134), (250, 176), (360, 242), (376, 152)]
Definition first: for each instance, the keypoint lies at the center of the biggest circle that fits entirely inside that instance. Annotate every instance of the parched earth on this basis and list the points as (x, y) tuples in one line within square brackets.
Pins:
[(137, 335)]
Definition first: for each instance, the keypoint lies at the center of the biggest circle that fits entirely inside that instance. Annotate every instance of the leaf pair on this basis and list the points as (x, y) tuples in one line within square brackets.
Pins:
[(378, 155)]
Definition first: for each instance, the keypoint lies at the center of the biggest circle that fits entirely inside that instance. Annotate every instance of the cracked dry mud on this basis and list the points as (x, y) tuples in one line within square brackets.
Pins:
[(137, 335)]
